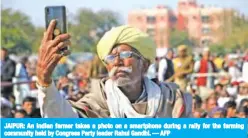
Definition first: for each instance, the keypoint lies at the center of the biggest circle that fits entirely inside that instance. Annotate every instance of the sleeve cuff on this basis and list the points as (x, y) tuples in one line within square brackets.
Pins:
[(44, 89)]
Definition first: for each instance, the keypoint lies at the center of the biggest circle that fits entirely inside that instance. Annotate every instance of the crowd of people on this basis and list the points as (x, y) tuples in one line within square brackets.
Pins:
[(218, 84), (19, 95)]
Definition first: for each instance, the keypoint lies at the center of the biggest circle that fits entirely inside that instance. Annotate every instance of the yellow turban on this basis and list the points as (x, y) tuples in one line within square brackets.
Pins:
[(127, 35), (182, 47)]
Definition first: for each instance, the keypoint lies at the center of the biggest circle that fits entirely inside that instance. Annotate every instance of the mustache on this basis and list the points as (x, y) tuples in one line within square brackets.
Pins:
[(117, 69), (126, 69)]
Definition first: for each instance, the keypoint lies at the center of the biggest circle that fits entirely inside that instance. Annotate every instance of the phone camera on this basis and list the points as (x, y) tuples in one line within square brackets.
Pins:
[(47, 10)]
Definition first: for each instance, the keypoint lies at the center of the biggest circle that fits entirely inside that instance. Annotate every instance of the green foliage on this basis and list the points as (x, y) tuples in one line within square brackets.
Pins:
[(87, 27), (237, 39), (179, 38), (37, 39), (219, 49), (17, 31)]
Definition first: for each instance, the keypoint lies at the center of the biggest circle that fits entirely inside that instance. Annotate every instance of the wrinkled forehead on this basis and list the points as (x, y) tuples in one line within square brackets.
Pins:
[(121, 47)]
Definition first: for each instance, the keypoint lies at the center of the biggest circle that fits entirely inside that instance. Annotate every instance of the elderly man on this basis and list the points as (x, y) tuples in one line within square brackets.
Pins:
[(126, 93)]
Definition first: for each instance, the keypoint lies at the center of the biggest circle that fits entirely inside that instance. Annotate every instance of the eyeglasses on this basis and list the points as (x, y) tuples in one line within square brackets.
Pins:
[(122, 55)]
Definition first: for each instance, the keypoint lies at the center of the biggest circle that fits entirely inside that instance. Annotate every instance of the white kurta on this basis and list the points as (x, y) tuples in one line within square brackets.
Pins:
[(53, 105)]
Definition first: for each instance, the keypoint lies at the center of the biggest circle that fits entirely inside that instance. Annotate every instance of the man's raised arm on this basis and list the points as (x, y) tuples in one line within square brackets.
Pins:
[(51, 102)]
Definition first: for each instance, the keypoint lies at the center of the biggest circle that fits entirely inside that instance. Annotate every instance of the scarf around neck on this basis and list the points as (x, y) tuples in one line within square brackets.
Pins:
[(120, 106)]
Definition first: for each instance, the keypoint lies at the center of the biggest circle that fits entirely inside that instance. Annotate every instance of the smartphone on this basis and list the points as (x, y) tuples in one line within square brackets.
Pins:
[(59, 14)]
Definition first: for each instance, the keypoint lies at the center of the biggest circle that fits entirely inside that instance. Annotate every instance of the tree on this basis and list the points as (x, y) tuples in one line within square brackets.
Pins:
[(219, 49), (178, 38), (17, 31), (236, 39), (88, 27), (38, 33)]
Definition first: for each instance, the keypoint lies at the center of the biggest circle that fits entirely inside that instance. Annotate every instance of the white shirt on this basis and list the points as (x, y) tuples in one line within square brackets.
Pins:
[(162, 69), (245, 71), (234, 73), (21, 72), (151, 72), (222, 100)]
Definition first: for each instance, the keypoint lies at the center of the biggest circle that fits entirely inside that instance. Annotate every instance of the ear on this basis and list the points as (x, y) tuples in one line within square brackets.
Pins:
[(145, 66)]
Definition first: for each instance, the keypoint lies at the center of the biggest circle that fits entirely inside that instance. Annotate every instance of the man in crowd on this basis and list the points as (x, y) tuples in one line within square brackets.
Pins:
[(196, 102), (7, 72), (218, 88), (217, 112), (233, 68), (242, 92), (170, 54), (204, 66), (6, 108), (20, 113), (21, 75), (230, 107), (243, 109), (183, 66), (198, 113), (211, 103), (165, 67), (243, 112), (245, 66), (126, 93), (218, 62), (29, 105)]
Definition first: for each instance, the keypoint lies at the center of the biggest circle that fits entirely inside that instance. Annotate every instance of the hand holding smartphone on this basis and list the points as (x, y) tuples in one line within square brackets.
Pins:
[(54, 45), (57, 13)]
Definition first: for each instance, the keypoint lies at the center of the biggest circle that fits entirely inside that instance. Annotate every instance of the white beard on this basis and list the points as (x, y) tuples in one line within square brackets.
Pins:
[(122, 81), (125, 81)]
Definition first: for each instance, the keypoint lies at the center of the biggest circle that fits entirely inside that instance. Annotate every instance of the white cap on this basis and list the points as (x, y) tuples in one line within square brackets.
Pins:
[(161, 52), (206, 49)]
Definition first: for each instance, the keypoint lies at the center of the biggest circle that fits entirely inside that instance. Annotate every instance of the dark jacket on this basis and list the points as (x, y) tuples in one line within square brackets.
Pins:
[(7, 73), (8, 70)]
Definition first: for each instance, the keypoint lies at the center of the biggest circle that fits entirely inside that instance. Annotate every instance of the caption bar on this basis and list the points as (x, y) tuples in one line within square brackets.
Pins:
[(123, 127)]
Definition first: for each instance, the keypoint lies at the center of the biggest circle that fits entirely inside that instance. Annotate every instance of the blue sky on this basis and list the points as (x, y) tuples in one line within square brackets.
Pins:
[(35, 8)]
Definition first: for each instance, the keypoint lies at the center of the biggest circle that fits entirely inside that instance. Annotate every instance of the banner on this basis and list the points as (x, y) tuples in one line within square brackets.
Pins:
[(169, 128)]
